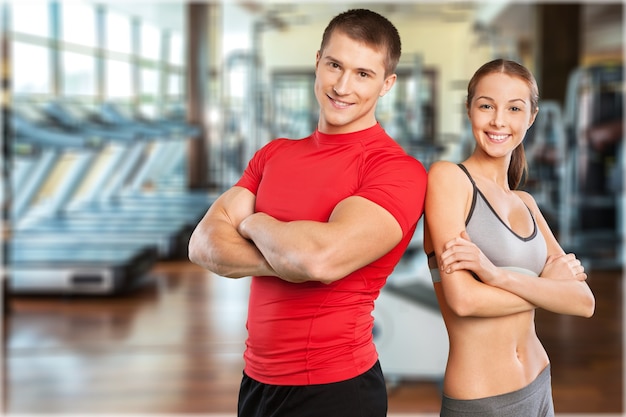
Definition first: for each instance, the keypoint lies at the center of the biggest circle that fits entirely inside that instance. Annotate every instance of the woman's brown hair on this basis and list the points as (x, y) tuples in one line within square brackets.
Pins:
[(518, 167)]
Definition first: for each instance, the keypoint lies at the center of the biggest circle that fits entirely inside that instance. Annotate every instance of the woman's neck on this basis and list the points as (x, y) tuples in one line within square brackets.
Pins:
[(491, 169)]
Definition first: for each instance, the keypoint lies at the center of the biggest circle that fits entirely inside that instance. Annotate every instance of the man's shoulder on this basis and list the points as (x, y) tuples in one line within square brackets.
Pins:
[(281, 143)]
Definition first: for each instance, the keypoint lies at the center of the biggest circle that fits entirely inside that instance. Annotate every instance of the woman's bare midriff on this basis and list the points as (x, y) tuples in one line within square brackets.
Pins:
[(492, 356)]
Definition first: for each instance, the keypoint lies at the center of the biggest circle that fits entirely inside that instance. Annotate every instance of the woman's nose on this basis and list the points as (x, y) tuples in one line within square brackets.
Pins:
[(498, 119)]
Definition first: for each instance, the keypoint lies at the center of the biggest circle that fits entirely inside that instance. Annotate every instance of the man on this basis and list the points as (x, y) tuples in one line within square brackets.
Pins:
[(320, 223)]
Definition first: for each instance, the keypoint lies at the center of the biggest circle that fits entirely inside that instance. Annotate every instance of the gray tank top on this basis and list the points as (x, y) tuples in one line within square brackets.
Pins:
[(505, 248)]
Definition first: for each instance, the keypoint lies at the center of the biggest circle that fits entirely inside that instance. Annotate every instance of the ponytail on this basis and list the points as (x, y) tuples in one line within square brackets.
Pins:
[(518, 168)]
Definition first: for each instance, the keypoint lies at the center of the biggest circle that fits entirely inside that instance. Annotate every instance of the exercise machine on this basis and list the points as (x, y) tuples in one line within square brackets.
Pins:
[(43, 263), (592, 195), (409, 331)]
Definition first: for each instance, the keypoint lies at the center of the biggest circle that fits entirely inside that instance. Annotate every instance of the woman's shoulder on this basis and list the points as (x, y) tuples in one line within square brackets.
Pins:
[(446, 172), (528, 199)]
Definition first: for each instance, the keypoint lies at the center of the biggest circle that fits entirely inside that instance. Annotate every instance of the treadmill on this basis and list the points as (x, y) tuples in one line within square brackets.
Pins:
[(136, 166), (53, 221), (166, 153), (57, 266)]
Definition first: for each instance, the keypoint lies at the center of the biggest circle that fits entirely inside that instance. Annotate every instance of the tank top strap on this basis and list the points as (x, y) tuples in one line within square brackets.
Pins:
[(468, 174)]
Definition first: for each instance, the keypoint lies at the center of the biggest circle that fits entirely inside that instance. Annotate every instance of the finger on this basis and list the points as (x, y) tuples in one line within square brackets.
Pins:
[(573, 263), (458, 266), (452, 243), (570, 256), (447, 260), (457, 254), (577, 267), (453, 267), (554, 257)]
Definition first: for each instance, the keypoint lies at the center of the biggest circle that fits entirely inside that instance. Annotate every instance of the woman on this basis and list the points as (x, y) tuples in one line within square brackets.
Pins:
[(494, 259)]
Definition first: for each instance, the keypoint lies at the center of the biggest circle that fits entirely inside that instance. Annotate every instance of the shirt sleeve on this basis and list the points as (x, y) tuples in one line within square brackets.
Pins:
[(253, 174), (398, 185)]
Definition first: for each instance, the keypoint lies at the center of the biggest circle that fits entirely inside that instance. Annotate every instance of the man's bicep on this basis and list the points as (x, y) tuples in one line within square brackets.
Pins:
[(232, 206), (368, 229)]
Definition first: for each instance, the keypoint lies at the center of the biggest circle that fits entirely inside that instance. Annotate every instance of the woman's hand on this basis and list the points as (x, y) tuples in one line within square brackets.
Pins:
[(461, 254), (564, 266)]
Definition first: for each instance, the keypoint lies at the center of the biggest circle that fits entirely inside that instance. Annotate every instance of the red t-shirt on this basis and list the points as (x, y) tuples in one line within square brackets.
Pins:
[(314, 333)]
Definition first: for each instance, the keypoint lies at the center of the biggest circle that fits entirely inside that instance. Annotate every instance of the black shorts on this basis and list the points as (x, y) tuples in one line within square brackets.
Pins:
[(361, 396)]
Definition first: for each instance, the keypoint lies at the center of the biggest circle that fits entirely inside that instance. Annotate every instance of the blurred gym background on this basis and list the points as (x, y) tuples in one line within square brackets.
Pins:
[(122, 121)]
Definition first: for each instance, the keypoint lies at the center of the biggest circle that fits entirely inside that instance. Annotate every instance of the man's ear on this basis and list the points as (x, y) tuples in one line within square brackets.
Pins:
[(317, 59), (389, 82)]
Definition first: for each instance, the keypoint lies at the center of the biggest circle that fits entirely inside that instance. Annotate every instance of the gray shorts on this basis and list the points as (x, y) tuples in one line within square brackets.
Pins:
[(534, 400)]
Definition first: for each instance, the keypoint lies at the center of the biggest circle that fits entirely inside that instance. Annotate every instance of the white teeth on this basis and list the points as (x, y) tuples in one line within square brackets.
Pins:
[(498, 137), (341, 104)]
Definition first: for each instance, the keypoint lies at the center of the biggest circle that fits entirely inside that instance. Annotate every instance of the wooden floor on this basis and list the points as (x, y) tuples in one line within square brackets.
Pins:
[(174, 346)]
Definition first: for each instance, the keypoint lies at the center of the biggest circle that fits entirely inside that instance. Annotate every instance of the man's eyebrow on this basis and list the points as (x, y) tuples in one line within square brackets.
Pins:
[(368, 70)]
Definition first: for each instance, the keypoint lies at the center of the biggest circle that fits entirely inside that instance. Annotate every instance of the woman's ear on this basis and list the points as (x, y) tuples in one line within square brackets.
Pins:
[(533, 117)]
